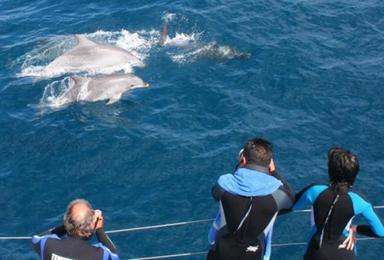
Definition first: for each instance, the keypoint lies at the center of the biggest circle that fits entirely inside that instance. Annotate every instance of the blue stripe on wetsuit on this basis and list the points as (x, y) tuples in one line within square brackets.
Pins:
[(307, 199), (360, 206), (42, 240), (106, 252)]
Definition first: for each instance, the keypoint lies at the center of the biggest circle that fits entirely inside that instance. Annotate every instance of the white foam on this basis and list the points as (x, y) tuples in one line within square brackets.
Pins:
[(181, 39), (53, 96), (183, 57), (83, 93), (34, 61), (168, 17), (138, 43)]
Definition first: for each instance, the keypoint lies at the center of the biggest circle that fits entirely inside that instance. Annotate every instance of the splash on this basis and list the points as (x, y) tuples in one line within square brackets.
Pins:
[(33, 62), (138, 43), (168, 17), (182, 39), (54, 93)]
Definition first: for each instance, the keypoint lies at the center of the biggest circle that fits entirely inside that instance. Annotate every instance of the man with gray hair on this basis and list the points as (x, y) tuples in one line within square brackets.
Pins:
[(81, 221)]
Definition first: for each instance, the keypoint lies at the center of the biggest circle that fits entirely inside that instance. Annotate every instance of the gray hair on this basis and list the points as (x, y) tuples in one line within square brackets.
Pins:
[(75, 226)]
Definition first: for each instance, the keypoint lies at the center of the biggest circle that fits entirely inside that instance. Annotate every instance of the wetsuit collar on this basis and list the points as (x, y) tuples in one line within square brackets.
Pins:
[(249, 182), (80, 238), (257, 168)]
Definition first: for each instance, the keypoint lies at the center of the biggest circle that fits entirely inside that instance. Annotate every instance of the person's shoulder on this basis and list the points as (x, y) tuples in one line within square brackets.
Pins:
[(314, 190), (37, 239), (224, 180), (358, 196), (317, 188), (224, 177), (359, 201)]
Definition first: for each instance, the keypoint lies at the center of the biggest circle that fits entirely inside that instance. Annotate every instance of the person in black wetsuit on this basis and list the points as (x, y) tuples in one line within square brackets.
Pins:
[(250, 200), (80, 223), (334, 207)]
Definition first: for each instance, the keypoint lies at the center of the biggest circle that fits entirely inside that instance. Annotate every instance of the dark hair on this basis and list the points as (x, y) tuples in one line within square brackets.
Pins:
[(75, 226), (343, 166), (258, 151)]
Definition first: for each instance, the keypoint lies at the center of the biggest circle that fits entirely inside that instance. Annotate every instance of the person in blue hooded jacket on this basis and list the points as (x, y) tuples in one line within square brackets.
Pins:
[(250, 200), (333, 208)]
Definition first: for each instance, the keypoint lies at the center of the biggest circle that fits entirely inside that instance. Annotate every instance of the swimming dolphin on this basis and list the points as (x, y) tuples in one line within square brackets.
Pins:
[(220, 52), (210, 50), (110, 87), (88, 56)]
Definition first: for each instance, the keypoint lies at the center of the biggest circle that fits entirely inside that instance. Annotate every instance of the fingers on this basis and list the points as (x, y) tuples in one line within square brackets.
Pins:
[(98, 214), (99, 222), (349, 242)]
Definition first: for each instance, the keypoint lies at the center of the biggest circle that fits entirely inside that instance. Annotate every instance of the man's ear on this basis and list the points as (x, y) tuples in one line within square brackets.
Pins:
[(243, 160)]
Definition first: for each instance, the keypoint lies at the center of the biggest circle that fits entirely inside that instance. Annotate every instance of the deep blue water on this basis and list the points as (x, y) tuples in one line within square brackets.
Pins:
[(314, 79)]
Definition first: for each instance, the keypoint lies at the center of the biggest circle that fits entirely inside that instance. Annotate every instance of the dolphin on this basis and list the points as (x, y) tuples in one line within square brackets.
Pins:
[(211, 50), (88, 56), (220, 52), (109, 87)]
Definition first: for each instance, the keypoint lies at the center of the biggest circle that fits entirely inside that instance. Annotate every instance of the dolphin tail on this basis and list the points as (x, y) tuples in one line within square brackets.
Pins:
[(164, 34)]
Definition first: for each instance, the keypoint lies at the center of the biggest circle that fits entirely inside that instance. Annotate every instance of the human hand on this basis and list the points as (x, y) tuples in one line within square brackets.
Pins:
[(349, 242), (98, 219), (272, 166)]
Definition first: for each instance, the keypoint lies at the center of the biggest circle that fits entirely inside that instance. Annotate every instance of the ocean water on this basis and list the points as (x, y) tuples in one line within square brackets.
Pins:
[(310, 77)]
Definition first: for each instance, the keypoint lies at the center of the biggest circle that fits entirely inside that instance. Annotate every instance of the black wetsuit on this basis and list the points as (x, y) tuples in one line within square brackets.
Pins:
[(331, 223), (50, 247), (246, 241)]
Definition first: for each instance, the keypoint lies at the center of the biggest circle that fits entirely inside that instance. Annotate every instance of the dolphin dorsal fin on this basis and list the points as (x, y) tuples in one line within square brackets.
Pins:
[(82, 40)]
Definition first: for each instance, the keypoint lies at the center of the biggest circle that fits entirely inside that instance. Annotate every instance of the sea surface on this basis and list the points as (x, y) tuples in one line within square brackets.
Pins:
[(310, 76)]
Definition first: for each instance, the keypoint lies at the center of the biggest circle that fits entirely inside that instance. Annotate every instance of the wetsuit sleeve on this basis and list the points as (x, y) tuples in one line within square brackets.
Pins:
[(103, 238), (217, 192), (58, 231), (307, 196), (300, 193), (375, 226), (284, 196), (366, 230), (286, 187)]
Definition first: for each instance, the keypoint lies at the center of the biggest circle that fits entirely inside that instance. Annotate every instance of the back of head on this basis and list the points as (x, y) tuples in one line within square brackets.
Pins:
[(258, 151), (343, 166), (78, 219)]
